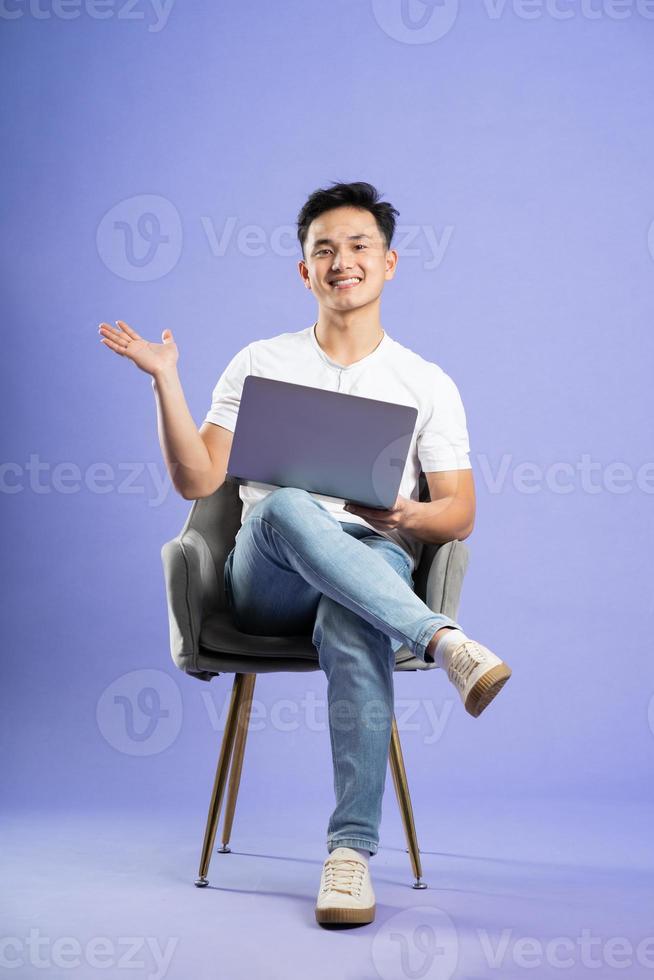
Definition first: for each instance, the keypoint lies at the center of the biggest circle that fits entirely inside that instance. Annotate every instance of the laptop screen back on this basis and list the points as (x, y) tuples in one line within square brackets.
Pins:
[(327, 442)]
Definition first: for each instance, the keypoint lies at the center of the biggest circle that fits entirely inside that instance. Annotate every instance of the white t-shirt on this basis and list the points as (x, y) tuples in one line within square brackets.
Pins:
[(391, 373)]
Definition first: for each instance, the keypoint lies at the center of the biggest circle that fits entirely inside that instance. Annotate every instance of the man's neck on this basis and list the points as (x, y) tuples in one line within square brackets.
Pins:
[(349, 337)]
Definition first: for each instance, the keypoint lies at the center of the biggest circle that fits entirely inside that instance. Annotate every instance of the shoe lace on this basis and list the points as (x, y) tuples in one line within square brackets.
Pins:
[(466, 658), (343, 875)]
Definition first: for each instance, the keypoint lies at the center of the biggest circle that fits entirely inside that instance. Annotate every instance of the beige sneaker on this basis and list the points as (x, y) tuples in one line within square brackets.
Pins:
[(477, 674), (346, 893)]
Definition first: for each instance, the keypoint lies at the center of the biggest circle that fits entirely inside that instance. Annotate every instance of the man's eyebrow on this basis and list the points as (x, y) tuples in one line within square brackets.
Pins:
[(329, 241)]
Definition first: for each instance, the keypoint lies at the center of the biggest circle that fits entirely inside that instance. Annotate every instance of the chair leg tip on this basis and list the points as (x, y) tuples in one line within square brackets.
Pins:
[(201, 882), (224, 850), (419, 884)]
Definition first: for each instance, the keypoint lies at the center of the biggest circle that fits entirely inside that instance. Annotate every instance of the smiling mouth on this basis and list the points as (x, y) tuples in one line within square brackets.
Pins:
[(346, 283)]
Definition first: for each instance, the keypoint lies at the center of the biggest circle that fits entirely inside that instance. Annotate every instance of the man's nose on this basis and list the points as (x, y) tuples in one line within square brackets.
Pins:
[(341, 262)]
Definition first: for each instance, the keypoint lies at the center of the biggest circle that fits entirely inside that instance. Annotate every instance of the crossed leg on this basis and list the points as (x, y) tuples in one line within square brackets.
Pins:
[(296, 569)]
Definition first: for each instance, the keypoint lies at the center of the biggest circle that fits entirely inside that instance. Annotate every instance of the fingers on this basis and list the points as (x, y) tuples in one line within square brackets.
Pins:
[(365, 511), (128, 330), (113, 338), (110, 344)]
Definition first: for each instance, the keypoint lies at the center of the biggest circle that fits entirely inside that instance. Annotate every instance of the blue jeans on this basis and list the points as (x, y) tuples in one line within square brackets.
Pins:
[(296, 569)]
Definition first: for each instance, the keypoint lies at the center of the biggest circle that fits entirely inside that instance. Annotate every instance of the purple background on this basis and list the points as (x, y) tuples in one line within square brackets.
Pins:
[(524, 145)]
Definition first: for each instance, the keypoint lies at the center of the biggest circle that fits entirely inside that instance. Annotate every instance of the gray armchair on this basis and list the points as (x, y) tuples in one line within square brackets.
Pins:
[(205, 643)]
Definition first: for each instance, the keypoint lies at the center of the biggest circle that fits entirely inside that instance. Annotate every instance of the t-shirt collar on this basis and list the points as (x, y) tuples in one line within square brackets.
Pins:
[(379, 349)]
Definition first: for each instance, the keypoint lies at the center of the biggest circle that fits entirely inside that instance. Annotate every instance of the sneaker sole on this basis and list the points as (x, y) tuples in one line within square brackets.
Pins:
[(335, 915), (486, 688)]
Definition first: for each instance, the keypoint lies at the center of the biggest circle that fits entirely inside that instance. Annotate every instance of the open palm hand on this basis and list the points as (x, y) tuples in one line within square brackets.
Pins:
[(149, 357)]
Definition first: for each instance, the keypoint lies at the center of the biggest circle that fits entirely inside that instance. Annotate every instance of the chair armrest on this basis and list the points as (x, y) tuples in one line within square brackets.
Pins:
[(438, 581), (193, 592), (445, 578), (193, 569)]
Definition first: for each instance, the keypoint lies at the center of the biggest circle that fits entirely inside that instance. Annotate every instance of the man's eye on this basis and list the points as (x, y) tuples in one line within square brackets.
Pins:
[(361, 245)]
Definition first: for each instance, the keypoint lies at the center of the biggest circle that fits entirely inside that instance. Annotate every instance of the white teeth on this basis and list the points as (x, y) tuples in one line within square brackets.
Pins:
[(346, 282)]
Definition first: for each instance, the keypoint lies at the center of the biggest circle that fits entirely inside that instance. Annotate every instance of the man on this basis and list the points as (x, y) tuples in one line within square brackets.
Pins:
[(304, 563)]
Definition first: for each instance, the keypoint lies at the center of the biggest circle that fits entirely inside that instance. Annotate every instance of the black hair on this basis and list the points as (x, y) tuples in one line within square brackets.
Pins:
[(359, 194)]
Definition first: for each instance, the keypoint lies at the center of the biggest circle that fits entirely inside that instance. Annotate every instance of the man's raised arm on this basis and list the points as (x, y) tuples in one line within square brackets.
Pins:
[(196, 467)]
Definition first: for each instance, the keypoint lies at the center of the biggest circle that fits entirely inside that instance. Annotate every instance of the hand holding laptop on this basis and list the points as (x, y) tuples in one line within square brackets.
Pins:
[(387, 519)]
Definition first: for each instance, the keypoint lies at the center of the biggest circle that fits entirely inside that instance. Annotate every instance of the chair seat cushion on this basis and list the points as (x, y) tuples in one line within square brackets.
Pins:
[(224, 648)]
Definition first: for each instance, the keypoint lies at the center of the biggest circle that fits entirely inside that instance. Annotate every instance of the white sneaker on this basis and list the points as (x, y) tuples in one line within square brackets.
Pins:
[(346, 893), (477, 674)]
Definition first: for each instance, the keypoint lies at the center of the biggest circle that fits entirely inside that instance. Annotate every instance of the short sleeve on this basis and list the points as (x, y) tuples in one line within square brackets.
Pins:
[(226, 397), (443, 443)]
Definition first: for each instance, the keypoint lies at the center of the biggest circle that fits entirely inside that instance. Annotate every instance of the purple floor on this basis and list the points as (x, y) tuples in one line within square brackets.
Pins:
[(532, 888)]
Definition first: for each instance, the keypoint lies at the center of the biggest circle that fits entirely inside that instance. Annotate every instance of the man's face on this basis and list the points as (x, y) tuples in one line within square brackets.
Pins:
[(346, 261)]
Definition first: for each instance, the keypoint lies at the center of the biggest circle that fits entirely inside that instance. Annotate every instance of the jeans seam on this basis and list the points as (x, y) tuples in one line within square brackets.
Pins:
[(357, 842), (337, 770), (226, 581)]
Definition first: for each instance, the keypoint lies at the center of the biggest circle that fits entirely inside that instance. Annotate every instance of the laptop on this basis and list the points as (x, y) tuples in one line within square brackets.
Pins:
[(327, 442)]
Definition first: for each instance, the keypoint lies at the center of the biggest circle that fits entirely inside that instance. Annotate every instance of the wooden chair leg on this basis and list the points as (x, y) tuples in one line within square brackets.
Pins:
[(237, 759), (226, 749), (404, 800)]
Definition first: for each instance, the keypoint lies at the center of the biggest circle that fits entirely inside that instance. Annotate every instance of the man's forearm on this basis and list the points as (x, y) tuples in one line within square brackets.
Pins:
[(438, 521), (185, 454)]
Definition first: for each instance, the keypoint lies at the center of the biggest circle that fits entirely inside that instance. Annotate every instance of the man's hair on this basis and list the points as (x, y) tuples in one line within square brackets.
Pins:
[(360, 194)]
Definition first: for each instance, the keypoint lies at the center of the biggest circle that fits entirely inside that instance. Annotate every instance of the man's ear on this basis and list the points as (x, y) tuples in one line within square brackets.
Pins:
[(391, 262), (301, 267)]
